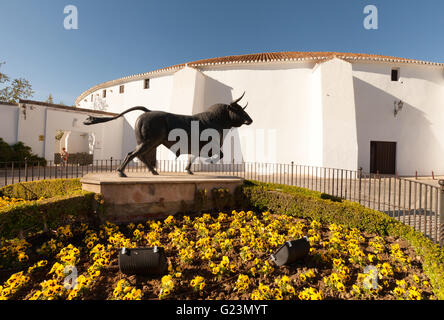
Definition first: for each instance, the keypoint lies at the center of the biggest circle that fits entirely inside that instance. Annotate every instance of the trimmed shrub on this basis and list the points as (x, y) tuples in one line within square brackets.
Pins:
[(307, 204), (330, 197), (40, 215), (50, 204), (42, 189), (18, 152)]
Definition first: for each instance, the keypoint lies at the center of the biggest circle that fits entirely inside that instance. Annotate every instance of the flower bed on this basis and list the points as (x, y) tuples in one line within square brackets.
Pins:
[(219, 256), (299, 202)]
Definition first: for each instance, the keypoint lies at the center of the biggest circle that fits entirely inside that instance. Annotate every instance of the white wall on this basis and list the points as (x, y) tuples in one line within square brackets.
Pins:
[(31, 125), (339, 140), (8, 123), (45, 121), (108, 135), (315, 127), (157, 97), (418, 128), (77, 142), (278, 97), (187, 98)]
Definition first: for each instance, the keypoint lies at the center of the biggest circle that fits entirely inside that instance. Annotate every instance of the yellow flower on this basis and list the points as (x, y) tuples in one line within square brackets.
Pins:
[(337, 262), (225, 261), (399, 291), (356, 289), (166, 292), (401, 283), (290, 289), (22, 257), (136, 293), (264, 289), (340, 286), (127, 289), (36, 295), (42, 263), (278, 294), (414, 295)]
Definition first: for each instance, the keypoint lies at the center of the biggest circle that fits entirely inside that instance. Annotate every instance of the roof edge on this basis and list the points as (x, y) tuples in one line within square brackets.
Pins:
[(258, 58), (8, 103), (67, 108)]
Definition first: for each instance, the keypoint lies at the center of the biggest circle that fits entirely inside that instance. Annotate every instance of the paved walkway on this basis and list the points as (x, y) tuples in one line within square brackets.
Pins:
[(426, 180)]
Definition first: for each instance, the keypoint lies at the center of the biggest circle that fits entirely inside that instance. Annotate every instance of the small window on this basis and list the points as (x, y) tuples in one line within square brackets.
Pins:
[(92, 98), (146, 83), (104, 94), (121, 89), (395, 74)]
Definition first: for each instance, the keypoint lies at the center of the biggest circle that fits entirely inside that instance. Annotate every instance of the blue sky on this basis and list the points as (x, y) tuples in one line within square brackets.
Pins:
[(119, 38)]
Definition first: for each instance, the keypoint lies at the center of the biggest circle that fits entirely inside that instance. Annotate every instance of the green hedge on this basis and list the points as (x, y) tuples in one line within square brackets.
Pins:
[(63, 202), (35, 190), (307, 204)]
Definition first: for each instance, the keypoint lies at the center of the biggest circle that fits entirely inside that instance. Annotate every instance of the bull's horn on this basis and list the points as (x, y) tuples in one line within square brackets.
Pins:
[(237, 100), (245, 106)]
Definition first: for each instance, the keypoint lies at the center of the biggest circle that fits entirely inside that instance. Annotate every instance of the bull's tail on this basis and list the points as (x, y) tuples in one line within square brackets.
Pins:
[(93, 120)]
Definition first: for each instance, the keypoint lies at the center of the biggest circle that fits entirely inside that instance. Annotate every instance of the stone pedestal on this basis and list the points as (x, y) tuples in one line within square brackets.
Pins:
[(142, 196)]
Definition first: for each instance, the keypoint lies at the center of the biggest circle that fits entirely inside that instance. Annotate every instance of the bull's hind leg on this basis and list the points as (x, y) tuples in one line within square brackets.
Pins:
[(190, 162), (141, 148), (149, 159)]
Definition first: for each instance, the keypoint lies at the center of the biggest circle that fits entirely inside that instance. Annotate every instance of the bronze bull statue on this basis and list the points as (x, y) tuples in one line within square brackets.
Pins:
[(153, 128)]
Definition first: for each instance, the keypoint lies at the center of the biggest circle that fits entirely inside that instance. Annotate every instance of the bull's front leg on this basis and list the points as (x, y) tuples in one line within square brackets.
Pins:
[(190, 162)]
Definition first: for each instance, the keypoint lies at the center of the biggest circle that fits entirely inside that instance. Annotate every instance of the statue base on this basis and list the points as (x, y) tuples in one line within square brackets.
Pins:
[(142, 196)]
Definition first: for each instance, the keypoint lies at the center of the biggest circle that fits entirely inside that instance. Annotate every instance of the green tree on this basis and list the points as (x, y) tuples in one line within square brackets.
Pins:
[(18, 152), (3, 77), (16, 89), (59, 134), (50, 99)]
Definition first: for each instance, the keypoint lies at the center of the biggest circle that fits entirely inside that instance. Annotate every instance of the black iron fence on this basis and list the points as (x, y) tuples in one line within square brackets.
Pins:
[(411, 202)]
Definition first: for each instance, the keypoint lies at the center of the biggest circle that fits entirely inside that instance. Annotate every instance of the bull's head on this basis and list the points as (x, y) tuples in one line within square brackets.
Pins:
[(237, 114)]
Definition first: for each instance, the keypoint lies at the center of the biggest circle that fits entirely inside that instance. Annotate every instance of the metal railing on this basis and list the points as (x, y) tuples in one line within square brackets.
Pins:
[(414, 203)]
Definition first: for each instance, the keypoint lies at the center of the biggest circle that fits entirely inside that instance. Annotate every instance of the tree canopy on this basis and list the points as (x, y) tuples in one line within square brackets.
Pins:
[(50, 99), (14, 90)]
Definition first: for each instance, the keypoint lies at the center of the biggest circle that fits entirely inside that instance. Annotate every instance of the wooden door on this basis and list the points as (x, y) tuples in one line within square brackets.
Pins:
[(383, 157)]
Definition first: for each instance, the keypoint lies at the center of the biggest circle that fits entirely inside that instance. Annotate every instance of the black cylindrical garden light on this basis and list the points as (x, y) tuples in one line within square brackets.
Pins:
[(291, 251), (143, 261)]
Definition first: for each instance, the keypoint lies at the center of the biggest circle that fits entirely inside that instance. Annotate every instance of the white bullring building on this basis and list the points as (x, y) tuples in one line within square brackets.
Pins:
[(326, 109)]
